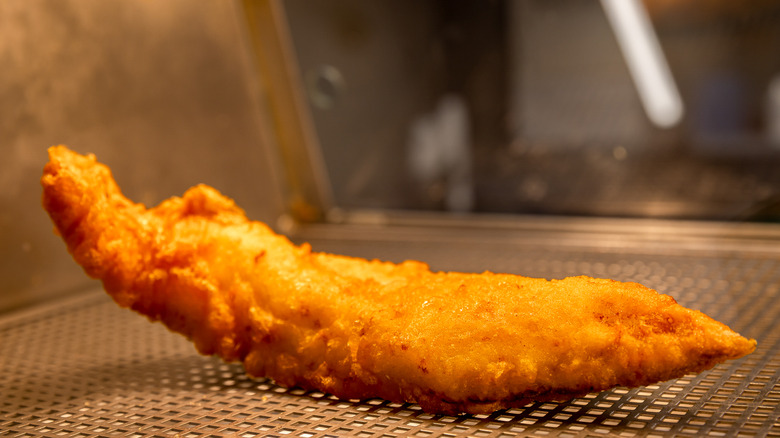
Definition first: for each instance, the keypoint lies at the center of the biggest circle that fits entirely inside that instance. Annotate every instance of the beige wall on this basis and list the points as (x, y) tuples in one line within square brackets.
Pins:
[(164, 92)]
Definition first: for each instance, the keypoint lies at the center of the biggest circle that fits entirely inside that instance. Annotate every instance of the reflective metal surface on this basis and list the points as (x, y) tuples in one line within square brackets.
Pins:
[(85, 367), (164, 93)]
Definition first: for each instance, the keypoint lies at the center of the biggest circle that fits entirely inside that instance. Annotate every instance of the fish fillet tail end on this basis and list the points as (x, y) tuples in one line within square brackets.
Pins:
[(99, 225)]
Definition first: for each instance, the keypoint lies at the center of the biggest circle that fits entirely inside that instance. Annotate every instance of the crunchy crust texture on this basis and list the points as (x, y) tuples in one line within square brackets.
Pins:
[(452, 342)]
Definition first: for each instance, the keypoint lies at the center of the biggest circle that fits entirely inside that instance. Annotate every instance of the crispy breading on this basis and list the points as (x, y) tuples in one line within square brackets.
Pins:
[(452, 342)]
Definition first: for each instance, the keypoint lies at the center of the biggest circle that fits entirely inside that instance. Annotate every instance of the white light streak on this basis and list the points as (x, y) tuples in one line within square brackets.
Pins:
[(646, 61)]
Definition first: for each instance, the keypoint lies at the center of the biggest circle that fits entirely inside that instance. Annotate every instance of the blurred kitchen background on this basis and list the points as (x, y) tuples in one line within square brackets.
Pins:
[(540, 108)]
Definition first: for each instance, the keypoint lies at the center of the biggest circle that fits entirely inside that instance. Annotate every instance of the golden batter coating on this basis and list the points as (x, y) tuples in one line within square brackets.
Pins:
[(452, 342)]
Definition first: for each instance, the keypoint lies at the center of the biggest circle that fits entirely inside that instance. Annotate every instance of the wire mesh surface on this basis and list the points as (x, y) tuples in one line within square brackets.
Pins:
[(85, 367)]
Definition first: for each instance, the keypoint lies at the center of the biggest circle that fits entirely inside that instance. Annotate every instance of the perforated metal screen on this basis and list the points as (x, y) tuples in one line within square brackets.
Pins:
[(84, 367)]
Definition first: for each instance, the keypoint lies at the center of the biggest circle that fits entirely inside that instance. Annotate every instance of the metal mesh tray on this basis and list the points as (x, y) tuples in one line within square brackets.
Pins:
[(84, 367)]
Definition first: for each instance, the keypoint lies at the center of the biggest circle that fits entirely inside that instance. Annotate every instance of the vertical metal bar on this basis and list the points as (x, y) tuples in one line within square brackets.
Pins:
[(309, 192)]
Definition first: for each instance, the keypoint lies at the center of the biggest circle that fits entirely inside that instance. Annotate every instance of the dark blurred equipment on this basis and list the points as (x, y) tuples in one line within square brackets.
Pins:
[(537, 107)]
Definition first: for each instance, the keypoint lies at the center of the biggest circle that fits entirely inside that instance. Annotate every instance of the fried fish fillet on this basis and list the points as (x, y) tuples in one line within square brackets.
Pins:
[(451, 342)]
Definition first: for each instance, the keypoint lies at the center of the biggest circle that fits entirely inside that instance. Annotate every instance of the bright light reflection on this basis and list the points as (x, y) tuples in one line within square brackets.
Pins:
[(645, 60)]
